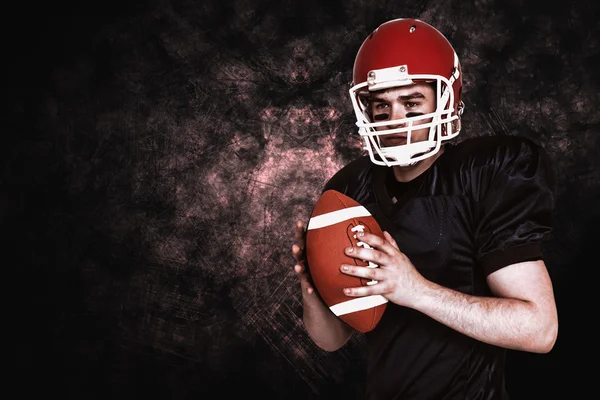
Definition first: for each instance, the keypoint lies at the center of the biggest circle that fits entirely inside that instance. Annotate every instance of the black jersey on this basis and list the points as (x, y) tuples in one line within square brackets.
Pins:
[(485, 203)]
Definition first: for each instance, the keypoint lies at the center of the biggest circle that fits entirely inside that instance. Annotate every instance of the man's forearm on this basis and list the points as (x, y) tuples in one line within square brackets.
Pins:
[(325, 328), (510, 323)]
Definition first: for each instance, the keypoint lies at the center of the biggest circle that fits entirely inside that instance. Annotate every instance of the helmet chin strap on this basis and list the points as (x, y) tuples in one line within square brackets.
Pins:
[(396, 158), (410, 163), (408, 154)]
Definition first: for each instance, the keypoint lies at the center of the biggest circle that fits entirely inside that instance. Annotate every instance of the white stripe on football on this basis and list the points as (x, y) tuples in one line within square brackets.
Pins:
[(334, 217), (358, 304)]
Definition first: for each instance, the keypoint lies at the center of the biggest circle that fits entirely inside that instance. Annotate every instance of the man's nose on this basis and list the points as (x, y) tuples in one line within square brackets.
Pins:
[(397, 113)]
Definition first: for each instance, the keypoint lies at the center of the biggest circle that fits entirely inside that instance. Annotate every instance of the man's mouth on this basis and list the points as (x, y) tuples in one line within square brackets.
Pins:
[(395, 139)]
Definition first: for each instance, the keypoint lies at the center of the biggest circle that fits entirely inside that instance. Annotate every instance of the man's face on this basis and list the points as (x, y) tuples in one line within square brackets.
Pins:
[(403, 102)]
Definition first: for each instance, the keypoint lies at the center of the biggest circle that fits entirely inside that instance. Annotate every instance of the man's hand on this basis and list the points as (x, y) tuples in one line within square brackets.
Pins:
[(397, 278), (298, 251)]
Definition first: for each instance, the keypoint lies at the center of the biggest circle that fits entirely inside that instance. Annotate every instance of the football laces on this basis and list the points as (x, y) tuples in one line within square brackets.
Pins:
[(361, 228)]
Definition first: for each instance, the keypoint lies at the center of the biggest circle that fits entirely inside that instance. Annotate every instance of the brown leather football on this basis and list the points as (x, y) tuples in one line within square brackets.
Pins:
[(333, 225)]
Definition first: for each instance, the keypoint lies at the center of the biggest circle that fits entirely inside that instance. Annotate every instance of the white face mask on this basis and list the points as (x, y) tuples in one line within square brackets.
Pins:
[(444, 121)]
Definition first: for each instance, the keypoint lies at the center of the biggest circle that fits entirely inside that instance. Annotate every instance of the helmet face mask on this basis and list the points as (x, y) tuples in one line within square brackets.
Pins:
[(401, 53)]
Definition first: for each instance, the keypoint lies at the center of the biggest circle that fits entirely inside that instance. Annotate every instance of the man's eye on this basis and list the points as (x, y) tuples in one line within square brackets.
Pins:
[(411, 104), (381, 106)]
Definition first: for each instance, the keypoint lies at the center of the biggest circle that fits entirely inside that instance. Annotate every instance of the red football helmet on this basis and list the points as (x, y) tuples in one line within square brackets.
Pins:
[(398, 53)]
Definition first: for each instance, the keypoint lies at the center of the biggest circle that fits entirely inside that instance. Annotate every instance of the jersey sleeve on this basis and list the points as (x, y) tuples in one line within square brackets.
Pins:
[(515, 214)]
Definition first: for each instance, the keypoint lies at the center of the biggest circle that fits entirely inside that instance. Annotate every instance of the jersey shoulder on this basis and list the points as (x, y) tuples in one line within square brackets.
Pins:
[(353, 179), (485, 161), (500, 152)]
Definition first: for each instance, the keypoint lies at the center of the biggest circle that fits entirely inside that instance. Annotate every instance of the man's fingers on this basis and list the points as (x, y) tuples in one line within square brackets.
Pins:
[(391, 240), (297, 253), (377, 242), (304, 280), (295, 249), (371, 254), (299, 235), (374, 274)]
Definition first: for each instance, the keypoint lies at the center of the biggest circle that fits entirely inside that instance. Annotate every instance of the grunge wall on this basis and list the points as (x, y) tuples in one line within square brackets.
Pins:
[(156, 155)]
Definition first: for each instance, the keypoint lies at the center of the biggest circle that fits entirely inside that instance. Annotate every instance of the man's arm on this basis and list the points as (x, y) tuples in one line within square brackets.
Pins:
[(522, 317), (324, 328)]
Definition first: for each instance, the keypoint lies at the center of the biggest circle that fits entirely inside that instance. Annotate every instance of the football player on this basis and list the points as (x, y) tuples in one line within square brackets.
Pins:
[(461, 259)]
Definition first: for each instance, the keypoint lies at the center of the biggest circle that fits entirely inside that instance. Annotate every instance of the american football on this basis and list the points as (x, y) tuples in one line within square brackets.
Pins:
[(333, 225)]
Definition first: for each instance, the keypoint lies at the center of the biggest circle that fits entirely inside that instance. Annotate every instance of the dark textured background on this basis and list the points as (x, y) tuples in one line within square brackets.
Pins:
[(156, 154)]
